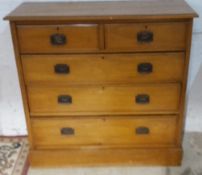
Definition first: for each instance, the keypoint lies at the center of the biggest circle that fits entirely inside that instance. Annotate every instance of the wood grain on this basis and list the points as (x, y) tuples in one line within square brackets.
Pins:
[(104, 100), (103, 69), (21, 81), (107, 157), (146, 9), (103, 131), (183, 100), (36, 38), (166, 36)]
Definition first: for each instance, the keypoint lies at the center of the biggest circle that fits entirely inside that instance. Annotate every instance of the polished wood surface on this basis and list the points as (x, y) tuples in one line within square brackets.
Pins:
[(99, 69), (107, 10), (103, 83), (104, 100), (36, 39), (106, 157), (183, 102), (21, 82), (104, 131), (166, 36)]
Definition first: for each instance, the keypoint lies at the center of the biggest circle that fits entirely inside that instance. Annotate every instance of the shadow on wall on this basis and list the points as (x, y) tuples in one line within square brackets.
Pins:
[(12, 121), (194, 111), (196, 58)]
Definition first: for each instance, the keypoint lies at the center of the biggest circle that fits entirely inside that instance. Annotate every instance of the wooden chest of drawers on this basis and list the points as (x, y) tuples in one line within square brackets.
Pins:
[(103, 82)]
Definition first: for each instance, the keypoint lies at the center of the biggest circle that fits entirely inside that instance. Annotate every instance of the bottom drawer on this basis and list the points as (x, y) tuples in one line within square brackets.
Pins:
[(135, 131)]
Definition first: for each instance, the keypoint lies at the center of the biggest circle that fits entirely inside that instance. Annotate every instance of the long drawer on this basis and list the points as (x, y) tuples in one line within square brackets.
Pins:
[(146, 36), (136, 131), (115, 68), (55, 100), (58, 38)]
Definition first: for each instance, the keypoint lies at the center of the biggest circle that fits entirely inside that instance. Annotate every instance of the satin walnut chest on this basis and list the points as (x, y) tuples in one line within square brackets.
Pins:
[(103, 82)]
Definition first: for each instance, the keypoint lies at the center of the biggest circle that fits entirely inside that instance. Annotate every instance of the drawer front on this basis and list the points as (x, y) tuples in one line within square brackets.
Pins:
[(64, 132), (158, 98), (146, 36), (56, 39), (86, 69)]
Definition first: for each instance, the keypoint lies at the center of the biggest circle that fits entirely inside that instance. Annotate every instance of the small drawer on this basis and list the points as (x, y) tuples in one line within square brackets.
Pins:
[(115, 68), (156, 98), (135, 131), (146, 36), (58, 38)]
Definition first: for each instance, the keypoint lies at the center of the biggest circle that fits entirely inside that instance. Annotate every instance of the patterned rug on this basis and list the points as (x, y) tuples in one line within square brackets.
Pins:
[(13, 155)]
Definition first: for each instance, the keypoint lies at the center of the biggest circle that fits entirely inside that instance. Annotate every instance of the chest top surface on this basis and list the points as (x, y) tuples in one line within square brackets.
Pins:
[(102, 10)]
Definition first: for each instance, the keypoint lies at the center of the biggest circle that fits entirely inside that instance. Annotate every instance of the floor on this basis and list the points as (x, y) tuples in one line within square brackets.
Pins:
[(191, 165), (13, 155)]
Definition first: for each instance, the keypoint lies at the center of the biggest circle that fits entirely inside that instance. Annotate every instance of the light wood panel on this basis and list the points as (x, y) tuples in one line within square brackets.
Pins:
[(183, 101), (166, 36), (123, 130), (37, 38), (106, 157), (107, 10), (107, 69), (21, 81), (104, 100)]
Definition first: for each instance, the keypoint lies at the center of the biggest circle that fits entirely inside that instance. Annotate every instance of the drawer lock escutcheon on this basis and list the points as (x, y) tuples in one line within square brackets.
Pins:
[(142, 130), (142, 99), (58, 39), (62, 69), (145, 37), (65, 99), (67, 131), (145, 68)]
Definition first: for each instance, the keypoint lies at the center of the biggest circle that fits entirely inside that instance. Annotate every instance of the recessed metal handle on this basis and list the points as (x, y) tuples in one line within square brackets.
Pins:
[(145, 37), (142, 99), (62, 69), (67, 131), (65, 99), (58, 39), (142, 130), (145, 68)]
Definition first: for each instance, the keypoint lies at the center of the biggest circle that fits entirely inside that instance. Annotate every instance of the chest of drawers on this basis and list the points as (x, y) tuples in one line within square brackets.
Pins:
[(103, 82)]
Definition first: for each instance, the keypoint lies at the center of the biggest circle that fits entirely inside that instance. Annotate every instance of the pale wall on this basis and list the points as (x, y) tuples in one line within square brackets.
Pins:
[(11, 112)]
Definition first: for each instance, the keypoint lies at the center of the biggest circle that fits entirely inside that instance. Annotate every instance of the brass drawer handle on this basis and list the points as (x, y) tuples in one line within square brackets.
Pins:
[(67, 131), (58, 39), (62, 69), (145, 37), (142, 130), (145, 68), (142, 99), (65, 99)]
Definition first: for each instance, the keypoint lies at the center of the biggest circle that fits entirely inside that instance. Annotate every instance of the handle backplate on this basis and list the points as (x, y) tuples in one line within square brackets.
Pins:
[(67, 131), (145, 68), (145, 37), (62, 69), (142, 99), (58, 39), (64, 99), (142, 130)]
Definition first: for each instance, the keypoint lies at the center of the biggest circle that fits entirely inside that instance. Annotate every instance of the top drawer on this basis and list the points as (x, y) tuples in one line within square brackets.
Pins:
[(58, 38), (146, 36)]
